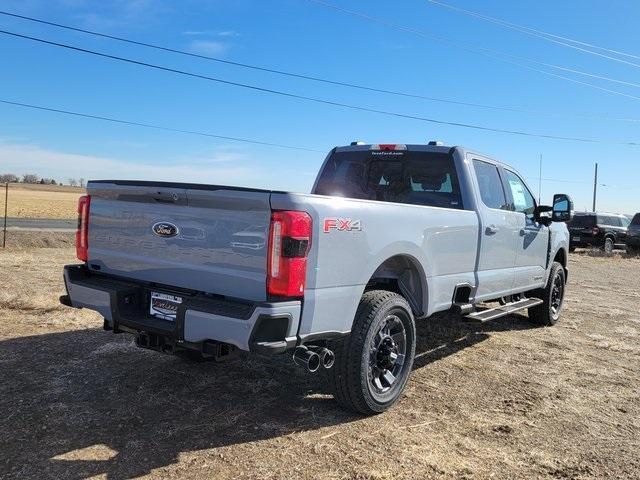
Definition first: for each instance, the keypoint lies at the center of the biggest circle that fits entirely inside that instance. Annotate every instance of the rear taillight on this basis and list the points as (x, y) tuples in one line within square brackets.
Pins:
[(289, 243), (82, 234)]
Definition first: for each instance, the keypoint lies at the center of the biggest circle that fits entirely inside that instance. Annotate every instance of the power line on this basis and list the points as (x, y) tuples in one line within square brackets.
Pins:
[(223, 137), (495, 54), (315, 99), (550, 37), (320, 79), (155, 127)]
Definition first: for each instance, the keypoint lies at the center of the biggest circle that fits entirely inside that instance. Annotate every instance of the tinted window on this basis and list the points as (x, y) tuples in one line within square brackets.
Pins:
[(583, 221), (523, 201), (419, 178), (636, 219), (625, 221), (609, 220), (491, 190)]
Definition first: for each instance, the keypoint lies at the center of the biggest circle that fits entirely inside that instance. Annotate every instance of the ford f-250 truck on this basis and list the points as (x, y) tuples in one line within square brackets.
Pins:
[(390, 234)]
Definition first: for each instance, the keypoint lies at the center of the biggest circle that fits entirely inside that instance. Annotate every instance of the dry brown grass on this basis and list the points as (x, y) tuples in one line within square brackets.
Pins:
[(41, 201), (502, 400), (25, 240)]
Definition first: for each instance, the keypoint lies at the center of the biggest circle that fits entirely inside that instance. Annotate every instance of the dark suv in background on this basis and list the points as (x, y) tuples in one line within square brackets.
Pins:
[(600, 230), (633, 235)]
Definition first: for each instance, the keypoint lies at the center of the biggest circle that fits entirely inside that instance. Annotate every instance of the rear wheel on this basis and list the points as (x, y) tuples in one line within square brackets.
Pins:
[(374, 362), (548, 312), (608, 245)]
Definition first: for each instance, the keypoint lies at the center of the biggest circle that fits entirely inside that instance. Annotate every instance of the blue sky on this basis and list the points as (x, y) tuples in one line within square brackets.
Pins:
[(304, 37)]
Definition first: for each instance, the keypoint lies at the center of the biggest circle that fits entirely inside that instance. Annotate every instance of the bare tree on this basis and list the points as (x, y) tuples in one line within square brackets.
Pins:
[(73, 182), (8, 178), (82, 182), (30, 178)]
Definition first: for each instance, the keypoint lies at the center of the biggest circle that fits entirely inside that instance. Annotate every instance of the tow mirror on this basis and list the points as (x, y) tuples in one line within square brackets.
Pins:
[(562, 208)]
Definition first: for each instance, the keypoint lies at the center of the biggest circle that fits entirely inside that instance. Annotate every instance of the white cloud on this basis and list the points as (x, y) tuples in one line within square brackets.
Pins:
[(211, 33), (208, 47), (217, 168), (228, 33)]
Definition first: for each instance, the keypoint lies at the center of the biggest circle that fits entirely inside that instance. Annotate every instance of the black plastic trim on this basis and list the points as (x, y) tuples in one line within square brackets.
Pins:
[(188, 186)]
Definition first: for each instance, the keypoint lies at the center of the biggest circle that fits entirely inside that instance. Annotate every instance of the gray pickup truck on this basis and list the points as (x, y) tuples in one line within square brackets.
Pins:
[(391, 233)]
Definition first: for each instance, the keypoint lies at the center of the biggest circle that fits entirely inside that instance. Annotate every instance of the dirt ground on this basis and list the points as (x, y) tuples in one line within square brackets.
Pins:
[(41, 201), (500, 400)]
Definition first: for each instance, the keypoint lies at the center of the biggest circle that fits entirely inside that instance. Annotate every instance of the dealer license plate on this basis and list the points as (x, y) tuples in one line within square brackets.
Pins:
[(164, 306)]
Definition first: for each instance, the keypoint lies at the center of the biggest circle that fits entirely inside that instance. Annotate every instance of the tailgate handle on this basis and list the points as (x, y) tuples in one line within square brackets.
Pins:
[(166, 197), (164, 200)]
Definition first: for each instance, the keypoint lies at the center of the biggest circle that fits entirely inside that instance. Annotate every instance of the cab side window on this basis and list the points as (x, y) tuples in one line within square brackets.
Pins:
[(491, 189), (523, 201)]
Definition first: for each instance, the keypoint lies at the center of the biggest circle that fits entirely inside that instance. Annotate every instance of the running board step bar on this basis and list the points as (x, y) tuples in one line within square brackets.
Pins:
[(503, 310)]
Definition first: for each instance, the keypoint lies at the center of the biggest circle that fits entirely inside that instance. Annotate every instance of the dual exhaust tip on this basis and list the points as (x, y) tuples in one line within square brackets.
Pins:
[(313, 357)]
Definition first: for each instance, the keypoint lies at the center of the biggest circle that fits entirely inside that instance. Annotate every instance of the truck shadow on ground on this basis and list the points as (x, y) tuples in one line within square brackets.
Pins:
[(82, 403)]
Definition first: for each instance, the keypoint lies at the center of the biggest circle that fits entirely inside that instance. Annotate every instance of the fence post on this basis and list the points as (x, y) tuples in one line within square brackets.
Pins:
[(6, 203)]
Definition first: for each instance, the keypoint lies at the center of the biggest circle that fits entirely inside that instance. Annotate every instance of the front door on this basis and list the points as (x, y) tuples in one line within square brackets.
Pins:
[(532, 241)]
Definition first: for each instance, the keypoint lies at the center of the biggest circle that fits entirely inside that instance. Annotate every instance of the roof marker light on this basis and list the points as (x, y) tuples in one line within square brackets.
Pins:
[(390, 147)]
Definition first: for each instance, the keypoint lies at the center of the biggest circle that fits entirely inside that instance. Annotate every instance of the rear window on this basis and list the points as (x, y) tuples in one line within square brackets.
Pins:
[(418, 178), (636, 219), (583, 221)]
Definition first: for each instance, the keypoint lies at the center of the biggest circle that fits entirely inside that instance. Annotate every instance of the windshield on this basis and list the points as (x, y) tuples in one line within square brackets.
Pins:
[(636, 220), (419, 178)]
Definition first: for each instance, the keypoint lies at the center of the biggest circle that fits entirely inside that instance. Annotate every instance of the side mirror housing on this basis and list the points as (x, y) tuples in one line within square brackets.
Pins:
[(542, 214), (562, 208)]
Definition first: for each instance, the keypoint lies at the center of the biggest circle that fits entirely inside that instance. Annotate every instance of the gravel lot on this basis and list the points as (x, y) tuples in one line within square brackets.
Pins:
[(502, 400)]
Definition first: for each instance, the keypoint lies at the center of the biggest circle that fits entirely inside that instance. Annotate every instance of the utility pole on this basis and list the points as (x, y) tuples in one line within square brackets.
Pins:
[(595, 187), (540, 181)]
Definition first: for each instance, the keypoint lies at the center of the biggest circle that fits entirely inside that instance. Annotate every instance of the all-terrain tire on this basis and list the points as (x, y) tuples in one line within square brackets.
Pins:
[(548, 312), (350, 379)]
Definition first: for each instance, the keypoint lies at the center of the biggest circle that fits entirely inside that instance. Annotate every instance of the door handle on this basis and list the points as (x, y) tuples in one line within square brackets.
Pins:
[(523, 232), (491, 230)]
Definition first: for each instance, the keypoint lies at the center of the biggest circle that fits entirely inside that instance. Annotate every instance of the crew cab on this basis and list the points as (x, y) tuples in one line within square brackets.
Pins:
[(389, 235)]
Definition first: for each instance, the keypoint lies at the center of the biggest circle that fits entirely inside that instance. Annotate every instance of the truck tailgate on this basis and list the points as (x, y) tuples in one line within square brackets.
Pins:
[(198, 237)]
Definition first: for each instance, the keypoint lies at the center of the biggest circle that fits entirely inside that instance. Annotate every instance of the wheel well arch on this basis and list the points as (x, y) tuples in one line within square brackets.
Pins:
[(562, 258), (402, 274)]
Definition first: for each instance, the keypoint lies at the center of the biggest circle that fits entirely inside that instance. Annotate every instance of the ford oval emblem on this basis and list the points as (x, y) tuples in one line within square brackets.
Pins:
[(165, 229)]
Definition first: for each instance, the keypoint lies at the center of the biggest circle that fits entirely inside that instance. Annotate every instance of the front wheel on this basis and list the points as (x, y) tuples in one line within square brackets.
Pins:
[(374, 362), (548, 312)]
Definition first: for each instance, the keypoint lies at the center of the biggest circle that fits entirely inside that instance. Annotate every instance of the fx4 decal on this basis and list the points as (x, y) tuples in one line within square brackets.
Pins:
[(341, 225)]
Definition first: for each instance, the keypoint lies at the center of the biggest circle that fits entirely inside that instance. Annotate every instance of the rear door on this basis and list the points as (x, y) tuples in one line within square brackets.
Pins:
[(532, 241), (619, 227), (204, 238), (497, 234)]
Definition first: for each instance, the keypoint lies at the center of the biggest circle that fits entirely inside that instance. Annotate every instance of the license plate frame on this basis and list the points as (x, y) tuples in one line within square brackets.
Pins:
[(575, 238), (164, 305)]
